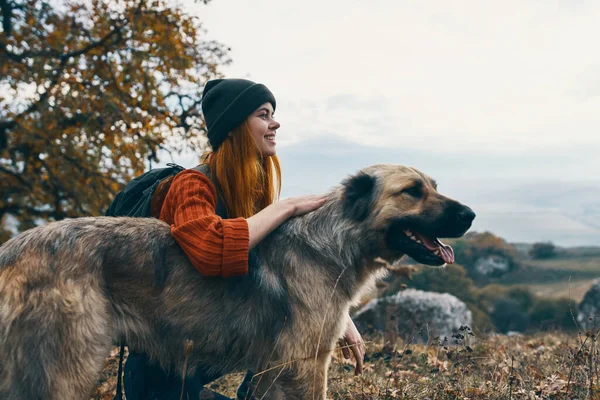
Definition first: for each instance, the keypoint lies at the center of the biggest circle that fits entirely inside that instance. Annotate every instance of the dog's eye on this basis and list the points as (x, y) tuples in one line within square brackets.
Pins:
[(414, 191)]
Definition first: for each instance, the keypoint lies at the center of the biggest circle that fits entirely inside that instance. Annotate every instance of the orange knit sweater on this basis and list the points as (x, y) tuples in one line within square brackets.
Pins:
[(215, 246)]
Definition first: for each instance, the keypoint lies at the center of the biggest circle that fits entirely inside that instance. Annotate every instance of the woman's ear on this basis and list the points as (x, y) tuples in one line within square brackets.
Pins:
[(359, 196)]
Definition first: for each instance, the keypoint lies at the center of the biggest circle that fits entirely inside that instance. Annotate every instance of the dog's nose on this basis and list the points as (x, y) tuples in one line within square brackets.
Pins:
[(466, 215)]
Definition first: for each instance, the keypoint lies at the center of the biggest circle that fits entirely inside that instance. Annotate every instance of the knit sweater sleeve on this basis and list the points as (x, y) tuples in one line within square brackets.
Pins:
[(215, 246)]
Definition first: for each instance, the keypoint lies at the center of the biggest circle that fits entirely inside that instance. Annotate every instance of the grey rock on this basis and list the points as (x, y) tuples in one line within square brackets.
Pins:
[(493, 265), (415, 314), (588, 315)]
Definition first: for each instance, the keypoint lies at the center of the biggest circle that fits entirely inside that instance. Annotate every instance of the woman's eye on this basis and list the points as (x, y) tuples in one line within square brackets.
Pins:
[(265, 116)]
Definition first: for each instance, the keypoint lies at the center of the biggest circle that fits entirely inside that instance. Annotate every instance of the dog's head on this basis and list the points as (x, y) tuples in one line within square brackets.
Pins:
[(402, 204)]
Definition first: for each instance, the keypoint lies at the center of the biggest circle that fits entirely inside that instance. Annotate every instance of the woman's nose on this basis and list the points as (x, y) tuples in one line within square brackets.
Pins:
[(274, 125)]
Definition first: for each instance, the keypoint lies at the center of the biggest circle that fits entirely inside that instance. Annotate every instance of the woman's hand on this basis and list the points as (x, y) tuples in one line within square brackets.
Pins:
[(353, 341), (265, 221), (303, 204)]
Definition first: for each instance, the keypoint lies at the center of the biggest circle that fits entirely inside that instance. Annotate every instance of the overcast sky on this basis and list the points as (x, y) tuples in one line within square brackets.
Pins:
[(498, 76), (483, 93)]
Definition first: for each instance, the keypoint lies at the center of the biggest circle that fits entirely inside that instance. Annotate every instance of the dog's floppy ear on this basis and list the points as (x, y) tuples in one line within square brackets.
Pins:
[(359, 195)]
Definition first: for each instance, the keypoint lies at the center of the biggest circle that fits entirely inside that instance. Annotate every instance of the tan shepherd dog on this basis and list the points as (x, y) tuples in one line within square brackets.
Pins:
[(70, 289)]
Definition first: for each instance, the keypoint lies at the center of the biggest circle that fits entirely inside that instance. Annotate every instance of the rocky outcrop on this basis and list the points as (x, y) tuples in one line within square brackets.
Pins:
[(415, 313), (588, 315)]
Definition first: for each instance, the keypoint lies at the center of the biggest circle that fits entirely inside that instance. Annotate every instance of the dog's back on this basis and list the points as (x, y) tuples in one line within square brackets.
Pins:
[(55, 324)]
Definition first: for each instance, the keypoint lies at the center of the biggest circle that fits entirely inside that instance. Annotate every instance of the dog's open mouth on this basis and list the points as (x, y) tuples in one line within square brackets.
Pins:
[(433, 245)]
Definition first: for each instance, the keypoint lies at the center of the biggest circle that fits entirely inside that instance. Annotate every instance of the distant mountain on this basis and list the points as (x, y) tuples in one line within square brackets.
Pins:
[(566, 213), (520, 197)]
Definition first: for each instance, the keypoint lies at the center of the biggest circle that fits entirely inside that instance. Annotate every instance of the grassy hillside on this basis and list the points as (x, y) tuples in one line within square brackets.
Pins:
[(527, 294), (550, 277), (549, 366)]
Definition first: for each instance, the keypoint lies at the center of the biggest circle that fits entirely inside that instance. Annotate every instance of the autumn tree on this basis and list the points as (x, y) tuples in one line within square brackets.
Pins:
[(88, 92)]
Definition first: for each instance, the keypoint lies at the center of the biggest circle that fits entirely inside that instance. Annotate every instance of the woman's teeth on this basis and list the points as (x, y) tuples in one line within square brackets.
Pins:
[(270, 137)]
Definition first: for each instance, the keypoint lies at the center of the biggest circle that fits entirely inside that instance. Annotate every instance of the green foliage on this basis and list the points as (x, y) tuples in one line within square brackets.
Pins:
[(88, 92), (517, 308), (543, 250), (493, 307), (523, 296), (452, 279), (474, 246), (507, 315), (551, 314)]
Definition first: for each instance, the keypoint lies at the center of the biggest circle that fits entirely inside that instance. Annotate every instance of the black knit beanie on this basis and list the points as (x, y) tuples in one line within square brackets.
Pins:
[(226, 103)]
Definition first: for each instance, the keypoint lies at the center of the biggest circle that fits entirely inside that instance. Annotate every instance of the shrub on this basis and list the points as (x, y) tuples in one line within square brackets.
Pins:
[(549, 314), (475, 246), (517, 308), (523, 296), (543, 250), (453, 279), (508, 316)]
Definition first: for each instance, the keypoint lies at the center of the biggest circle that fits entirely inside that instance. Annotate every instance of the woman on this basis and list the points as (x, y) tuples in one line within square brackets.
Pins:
[(218, 217)]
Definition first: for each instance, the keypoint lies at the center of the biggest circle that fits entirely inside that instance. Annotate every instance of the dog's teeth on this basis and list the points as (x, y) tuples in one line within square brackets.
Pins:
[(412, 236)]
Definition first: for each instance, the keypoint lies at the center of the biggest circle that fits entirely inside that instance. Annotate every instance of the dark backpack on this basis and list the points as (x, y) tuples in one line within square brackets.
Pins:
[(135, 199)]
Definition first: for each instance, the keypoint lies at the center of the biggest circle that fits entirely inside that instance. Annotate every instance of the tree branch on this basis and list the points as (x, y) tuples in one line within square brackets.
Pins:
[(7, 15), (92, 45), (19, 210), (16, 176), (54, 53), (4, 127)]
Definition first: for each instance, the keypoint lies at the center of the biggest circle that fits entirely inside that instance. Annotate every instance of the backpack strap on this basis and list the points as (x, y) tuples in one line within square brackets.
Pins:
[(220, 208), (119, 391)]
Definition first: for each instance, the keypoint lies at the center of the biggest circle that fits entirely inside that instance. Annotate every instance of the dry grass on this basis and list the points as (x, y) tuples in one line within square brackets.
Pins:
[(499, 367), (544, 366)]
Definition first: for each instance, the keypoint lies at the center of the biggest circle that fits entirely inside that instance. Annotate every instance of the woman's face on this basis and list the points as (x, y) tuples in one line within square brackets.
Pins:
[(263, 127)]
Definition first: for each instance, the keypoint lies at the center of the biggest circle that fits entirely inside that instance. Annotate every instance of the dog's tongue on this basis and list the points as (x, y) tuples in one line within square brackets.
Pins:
[(446, 252)]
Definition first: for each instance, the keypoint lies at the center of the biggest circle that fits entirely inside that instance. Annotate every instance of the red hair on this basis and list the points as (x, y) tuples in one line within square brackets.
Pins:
[(247, 181)]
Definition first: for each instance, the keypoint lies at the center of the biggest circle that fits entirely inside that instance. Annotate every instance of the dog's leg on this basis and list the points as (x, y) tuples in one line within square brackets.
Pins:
[(302, 380), (262, 386)]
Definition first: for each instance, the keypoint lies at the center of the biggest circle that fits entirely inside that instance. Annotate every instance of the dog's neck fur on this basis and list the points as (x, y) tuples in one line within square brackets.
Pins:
[(345, 251)]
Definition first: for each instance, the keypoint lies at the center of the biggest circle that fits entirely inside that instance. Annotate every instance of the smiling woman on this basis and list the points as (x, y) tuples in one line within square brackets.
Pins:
[(239, 114)]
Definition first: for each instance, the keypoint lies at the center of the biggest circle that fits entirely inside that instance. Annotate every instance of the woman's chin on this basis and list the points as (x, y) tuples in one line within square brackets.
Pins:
[(269, 150)]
